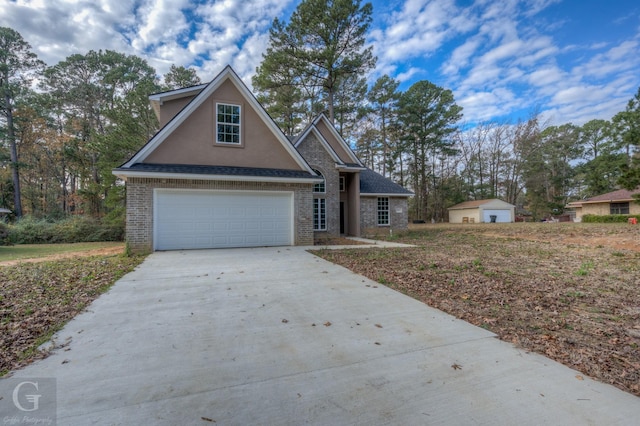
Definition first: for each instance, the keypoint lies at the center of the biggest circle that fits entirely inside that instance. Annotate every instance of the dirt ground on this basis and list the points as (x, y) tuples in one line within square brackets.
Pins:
[(568, 291)]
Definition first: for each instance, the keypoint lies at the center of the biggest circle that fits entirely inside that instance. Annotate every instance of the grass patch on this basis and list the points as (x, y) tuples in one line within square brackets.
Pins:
[(560, 290), (37, 300), (31, 251)]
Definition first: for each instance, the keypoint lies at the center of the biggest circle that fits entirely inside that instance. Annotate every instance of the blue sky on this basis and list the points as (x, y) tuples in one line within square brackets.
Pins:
[(572, 60)]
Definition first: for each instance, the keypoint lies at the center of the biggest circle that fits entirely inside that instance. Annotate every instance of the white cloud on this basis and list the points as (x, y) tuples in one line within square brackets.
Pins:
[(499, 57)]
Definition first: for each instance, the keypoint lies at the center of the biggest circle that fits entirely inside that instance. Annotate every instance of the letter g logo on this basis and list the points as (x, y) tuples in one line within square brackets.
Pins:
[(33, 399)]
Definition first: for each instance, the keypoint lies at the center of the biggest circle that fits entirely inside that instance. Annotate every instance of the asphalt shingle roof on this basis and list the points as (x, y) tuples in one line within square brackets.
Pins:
[(374, 183), (216, 170), (619, 195)]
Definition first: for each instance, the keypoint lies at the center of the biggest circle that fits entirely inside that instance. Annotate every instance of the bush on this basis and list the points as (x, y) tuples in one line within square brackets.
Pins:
[(610, 218), (4, 234), (76, 229)]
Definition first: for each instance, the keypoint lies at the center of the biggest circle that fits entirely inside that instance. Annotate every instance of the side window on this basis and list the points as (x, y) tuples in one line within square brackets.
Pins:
[(319, 214), (383, 211)]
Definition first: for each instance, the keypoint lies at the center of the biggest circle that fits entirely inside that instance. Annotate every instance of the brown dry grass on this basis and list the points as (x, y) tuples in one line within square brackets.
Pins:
[(568, 291)]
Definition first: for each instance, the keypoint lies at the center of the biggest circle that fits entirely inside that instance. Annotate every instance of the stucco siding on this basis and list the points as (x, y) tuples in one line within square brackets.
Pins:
[(602, 209), (457, 216), (194, 141), (140, 206)]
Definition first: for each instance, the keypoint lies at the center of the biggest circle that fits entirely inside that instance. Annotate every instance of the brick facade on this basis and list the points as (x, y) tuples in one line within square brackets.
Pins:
[(140, 206), (398, 215), (319, 159)]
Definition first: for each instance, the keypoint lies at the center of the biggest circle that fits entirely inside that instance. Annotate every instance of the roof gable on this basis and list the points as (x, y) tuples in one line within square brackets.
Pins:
[(312, 130), (186, 137), (337, 142)]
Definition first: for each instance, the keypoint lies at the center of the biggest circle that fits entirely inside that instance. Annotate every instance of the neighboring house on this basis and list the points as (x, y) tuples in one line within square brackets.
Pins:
[(616, 202), (479, 211), (220, 173)]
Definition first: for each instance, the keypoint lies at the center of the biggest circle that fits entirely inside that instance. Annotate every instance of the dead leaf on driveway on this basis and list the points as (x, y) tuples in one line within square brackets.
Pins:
[(378, 325), (456, 366), (284, 320), (327, 324)]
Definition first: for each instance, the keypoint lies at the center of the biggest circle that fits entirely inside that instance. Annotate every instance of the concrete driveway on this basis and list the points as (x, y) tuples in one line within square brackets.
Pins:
[(277, 336)]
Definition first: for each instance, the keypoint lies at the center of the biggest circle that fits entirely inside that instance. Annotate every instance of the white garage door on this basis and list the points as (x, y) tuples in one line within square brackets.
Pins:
[(502, 216), (185, 219)]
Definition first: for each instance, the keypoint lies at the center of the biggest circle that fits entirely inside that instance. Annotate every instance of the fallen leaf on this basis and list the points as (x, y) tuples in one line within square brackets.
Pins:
[(456, 366), (378, 325), (207, 419), (327, 324), (285, 320), (579, 377)]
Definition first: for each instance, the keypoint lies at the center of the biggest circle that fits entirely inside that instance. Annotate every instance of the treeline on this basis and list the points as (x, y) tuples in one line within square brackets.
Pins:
[(319, 62), (63, 128)]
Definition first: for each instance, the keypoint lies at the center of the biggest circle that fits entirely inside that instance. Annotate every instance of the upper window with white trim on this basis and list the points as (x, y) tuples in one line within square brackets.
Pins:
[(228, 124)]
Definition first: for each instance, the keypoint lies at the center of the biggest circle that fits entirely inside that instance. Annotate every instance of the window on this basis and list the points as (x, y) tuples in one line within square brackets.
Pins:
[(619, 208), (319, 214), (228, 124), (383, 211), (343, 184), (319, 188)]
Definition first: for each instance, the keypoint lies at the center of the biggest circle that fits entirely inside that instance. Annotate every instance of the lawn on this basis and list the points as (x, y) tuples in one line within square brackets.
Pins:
[(38, 298), (31, 251), (567, 291)]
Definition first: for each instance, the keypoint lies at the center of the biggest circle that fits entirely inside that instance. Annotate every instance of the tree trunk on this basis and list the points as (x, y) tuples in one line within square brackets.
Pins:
[(15, 174), (330, 99)]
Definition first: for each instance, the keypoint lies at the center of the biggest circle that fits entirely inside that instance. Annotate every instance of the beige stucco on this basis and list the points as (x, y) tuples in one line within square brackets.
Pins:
[(193, 141), (457, 216), (170, 108), (602, 209), (331, 139)]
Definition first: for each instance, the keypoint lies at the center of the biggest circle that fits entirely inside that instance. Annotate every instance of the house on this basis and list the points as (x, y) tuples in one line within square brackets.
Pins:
[(478, 211), (616, 202), (220, 173)]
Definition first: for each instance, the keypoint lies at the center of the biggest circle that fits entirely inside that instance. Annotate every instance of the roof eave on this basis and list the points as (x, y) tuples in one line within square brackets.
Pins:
[(124, 174), (384, 194)]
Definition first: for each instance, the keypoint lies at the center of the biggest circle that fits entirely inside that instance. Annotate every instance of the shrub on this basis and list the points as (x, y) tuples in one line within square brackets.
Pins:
[(610, 218), (4, 234), (76, 229)]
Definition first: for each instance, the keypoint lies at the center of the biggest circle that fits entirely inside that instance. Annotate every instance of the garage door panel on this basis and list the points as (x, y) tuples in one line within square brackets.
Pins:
[(208, 219), (502, 216)]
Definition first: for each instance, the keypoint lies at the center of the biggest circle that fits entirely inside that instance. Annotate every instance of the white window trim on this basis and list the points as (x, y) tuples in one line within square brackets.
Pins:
[(343, 184), (232, 124), (324, 183), (318, 224), (379, 210)]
